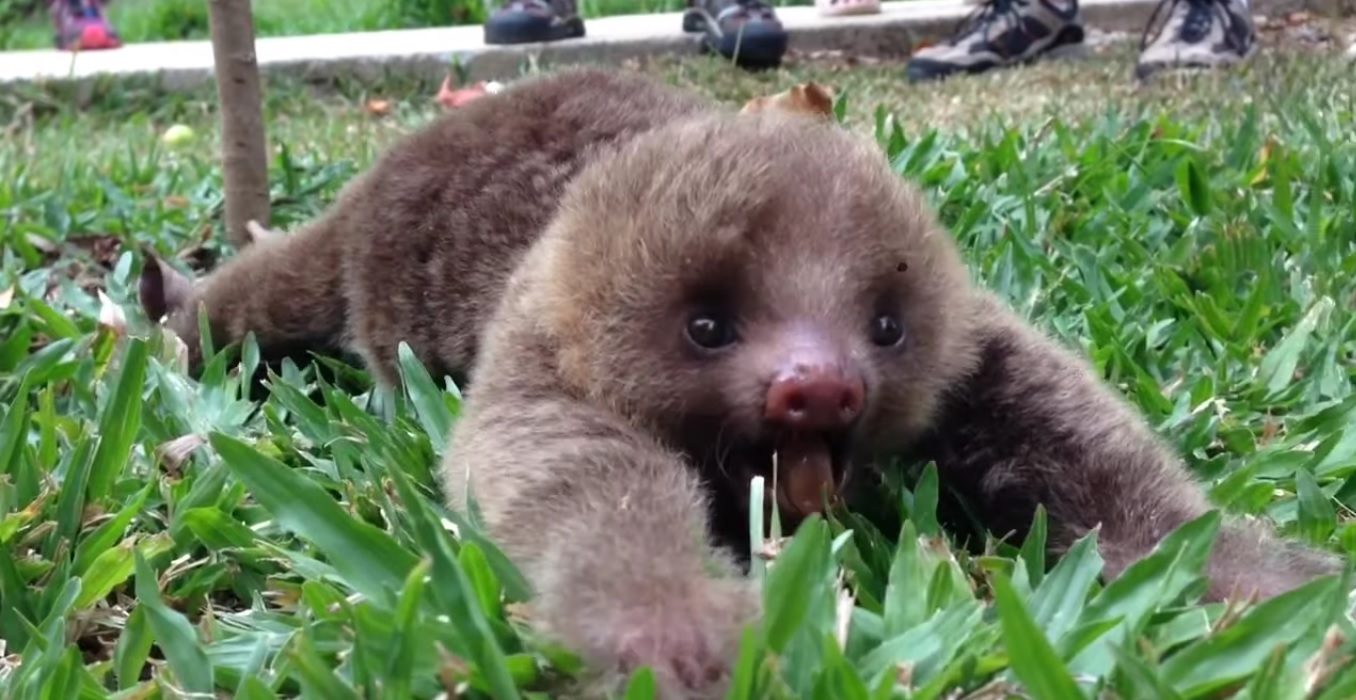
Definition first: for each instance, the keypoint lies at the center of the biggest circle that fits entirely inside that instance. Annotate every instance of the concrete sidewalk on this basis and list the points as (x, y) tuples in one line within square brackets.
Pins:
[(610, 40)]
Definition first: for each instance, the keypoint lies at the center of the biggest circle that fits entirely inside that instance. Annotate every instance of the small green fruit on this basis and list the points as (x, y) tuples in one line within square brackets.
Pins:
[(177, 135)]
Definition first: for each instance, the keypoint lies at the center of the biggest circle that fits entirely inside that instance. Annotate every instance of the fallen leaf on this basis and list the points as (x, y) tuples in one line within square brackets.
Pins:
[(111, 315), (177, 451), (42, 245), (772, 547), (452, 98), (805, 98), (843, 617), (104, 248), (521, 612), (1320, 668), (378, 108), (453, 672), (173, 350), (199, 254), (904, 674)]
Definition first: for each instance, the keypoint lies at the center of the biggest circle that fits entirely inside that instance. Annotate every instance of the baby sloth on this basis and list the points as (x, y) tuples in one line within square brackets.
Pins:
[(725, 288)]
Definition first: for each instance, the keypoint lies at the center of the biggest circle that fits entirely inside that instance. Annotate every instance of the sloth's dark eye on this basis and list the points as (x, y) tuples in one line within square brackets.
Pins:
[(710, 331), (886, 331)]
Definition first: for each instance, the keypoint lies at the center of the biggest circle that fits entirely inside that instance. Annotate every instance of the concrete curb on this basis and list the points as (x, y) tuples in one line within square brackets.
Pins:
[(427, 53)]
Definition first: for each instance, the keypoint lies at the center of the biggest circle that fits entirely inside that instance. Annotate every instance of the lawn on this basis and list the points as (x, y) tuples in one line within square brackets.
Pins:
[(166, 538)]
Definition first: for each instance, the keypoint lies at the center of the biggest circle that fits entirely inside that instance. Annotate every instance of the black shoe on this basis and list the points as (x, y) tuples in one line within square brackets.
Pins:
[(1001, 33), (745, 31), (533, 21)]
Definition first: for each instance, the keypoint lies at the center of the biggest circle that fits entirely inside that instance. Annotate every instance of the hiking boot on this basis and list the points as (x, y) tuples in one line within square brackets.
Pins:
[(534, 21), (745, 31), (1198, 34), (80, 26), (1001, 33)]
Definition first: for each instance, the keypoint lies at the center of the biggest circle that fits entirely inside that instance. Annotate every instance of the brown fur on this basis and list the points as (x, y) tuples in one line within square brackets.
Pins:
[(1033, 425), (286, 289), (605, 453), (418, 247)]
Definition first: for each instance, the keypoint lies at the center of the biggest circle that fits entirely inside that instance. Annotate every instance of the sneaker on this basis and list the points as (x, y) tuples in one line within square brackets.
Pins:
[(80, 26), (534, 21), (1198, 34), (745, 31), (999, 34), (846, 8)]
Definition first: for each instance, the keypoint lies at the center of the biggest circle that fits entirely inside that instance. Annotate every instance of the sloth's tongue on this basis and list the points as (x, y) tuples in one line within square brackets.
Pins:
[(804, 473)]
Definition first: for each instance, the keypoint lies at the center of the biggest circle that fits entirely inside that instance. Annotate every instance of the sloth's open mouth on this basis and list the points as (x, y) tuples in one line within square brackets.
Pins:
[(808, 469)]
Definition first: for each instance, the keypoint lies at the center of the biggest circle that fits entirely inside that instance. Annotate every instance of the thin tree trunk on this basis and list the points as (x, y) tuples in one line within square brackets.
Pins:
[(244, 154)]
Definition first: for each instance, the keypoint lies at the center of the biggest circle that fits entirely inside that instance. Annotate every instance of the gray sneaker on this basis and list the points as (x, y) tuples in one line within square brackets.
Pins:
[(1198, 34), (999, 34), (533, 21), (747, 32)]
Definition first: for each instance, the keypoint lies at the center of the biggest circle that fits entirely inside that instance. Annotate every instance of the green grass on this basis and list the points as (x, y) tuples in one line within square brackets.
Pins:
[(162, 538), (170, 20)]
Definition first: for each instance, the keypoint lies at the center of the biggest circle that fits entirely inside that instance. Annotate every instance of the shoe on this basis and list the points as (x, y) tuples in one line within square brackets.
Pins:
[(1001, 33), (745, 31), (1199, 34), (534, 21), (845, 8), (80, 26)]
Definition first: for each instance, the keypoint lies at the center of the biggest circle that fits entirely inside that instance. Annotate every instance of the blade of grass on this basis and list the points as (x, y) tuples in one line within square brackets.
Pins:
[(1030, 653), (368, 558), (173, 634)]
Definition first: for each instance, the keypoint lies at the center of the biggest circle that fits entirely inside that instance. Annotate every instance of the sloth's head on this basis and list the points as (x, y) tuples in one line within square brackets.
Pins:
[(169, 297), (757, 287), (172, 298)]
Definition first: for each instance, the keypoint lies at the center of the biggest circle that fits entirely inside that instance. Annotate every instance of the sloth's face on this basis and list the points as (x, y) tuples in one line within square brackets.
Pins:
[(782, 399), (765, 294)]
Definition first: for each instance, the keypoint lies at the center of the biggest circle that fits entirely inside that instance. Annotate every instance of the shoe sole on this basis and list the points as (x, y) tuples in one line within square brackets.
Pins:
[(1147, 72), (1068, 44), (522, 28), (849, 9)]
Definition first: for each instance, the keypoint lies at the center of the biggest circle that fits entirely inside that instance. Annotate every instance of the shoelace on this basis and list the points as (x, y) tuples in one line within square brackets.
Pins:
[(1200, 15), (986, 15), (749, 8)]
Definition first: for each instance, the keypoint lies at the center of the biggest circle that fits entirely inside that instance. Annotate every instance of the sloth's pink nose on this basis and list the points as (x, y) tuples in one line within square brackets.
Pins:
[(815, 398)]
